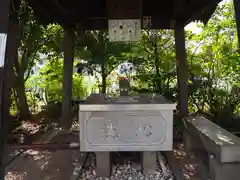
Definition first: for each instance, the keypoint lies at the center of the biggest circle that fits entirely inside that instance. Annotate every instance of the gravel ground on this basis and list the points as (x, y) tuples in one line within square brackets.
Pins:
[(126, 168)]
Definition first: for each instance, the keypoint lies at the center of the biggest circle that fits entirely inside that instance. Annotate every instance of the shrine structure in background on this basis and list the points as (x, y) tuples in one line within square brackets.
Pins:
[(75, 15)]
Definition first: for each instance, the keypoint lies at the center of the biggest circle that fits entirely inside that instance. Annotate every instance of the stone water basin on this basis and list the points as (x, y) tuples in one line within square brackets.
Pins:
[(140, 123)]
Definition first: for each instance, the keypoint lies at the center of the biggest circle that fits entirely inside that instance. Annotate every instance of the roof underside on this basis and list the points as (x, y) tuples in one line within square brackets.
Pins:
[(94, 14)]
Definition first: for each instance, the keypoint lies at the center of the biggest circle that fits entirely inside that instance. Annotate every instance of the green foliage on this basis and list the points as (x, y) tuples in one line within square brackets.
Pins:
[(214, 67), (79, 91), (102, 56), (154, 59), (98, 50), (50, 81)]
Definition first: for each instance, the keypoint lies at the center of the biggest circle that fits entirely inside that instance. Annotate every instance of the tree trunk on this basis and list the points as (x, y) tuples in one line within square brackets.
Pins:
[(16, 99), (104, 84), (66, 118), (158, 79), (24, 112), (19, 86), (104, 80)]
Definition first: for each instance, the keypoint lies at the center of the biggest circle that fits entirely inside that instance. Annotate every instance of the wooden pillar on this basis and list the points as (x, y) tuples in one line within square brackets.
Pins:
[(68, 48), (8, 25), (182, 69), (237, 16)]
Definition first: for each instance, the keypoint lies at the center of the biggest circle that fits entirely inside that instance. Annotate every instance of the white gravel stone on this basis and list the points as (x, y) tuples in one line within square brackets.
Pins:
[(128, 171)]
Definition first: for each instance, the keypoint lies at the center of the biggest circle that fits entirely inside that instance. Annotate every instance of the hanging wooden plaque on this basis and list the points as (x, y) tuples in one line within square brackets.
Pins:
[(124, 29), (124, 9)]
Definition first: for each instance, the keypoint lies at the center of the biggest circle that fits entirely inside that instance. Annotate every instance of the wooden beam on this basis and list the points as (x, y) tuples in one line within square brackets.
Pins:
[(237, 16), (182, 69), (4, 98), (124, 9), (68, 46), (102, 24)]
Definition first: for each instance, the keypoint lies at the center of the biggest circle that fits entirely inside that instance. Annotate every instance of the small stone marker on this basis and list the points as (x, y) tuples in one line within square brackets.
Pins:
[(124, 86)]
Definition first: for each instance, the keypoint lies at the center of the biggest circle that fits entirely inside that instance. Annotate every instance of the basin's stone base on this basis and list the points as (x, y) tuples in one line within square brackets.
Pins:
[(124, 166), (149, 162), (103, 163)]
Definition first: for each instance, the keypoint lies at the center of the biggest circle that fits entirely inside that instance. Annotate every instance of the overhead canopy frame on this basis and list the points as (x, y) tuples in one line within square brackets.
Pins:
[(94, 14)]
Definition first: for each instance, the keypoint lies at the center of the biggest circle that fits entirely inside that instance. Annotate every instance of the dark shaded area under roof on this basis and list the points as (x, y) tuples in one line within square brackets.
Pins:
[(94, 14)]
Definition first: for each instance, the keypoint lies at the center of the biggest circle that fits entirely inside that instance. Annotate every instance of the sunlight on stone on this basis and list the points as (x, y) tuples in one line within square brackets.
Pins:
[(75, 127), (189, 171), (32, 152), (180, 153), (31, 128), (16, 176), (224, 138), (187, 177), (47, 178), (204, 131), (41, 158)]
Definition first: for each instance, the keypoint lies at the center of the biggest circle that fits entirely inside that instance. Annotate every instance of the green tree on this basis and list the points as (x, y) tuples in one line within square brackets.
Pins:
[(31, 40), (214, 65), (102, 55), (155, 60)]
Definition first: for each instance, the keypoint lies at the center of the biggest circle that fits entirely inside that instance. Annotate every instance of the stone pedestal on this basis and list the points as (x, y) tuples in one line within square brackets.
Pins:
[(149, 162), (103, 163), (223, 171)]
